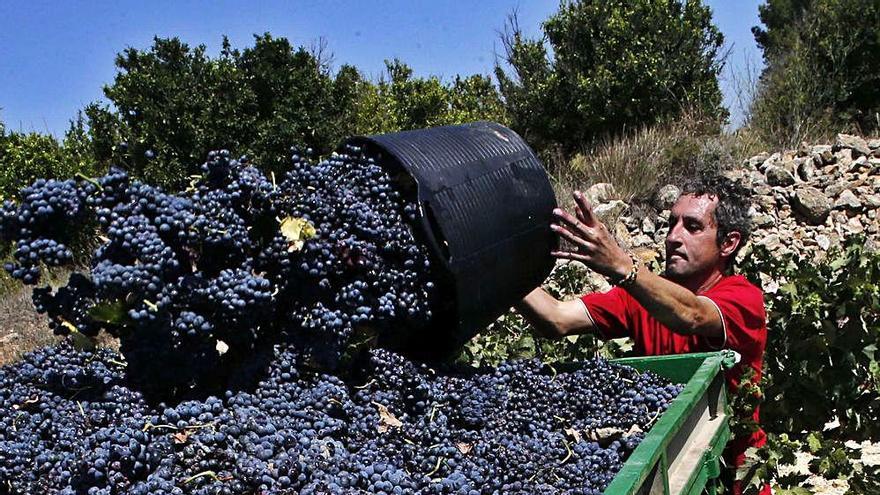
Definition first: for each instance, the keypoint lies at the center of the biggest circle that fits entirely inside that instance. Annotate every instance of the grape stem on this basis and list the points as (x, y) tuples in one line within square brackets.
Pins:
[(80, 175), (568, 450), (210, 474), (440, 460)]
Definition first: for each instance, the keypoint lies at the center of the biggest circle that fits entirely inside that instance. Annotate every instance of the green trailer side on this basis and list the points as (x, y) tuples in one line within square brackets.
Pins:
[(681, 453)]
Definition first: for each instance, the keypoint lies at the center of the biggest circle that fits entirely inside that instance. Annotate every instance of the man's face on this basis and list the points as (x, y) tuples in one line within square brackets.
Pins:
[(691, 243)]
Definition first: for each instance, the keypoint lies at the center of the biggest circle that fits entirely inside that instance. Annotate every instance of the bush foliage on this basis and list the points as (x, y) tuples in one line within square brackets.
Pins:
[(171, 104), (603, 67), (820, 73), (822, 362)]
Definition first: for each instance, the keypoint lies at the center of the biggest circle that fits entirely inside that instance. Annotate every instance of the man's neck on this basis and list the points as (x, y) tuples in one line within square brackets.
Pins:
[(699, 284)]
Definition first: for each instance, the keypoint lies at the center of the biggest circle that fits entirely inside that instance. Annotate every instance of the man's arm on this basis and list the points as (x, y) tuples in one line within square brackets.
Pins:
[(676, 307), (554, 318)]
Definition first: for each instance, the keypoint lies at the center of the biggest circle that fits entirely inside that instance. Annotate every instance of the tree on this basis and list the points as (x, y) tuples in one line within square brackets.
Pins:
[(400, 101), (172, 104), (606, 66), (25, 157), (779, 18), (820, 75)]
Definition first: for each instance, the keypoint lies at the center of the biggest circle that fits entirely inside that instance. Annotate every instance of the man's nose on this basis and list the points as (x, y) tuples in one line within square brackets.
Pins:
[(674, 234)]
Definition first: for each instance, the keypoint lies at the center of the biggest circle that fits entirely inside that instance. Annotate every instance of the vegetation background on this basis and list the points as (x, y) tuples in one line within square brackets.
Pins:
[(625, 92)]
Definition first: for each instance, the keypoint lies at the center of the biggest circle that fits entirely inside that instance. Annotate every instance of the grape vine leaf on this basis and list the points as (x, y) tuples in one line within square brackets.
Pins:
[(297, 231), (109, 312)]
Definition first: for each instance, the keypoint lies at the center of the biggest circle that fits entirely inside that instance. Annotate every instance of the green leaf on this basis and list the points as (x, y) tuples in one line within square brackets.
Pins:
[(109, 312), (80, 341), (297, 231)]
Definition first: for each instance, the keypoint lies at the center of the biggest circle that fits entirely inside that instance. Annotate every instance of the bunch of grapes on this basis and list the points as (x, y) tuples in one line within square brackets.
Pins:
[(197, 283)]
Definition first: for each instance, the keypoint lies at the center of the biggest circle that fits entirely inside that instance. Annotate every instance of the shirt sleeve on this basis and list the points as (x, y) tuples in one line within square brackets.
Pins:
[(743, 316), (608, 312)]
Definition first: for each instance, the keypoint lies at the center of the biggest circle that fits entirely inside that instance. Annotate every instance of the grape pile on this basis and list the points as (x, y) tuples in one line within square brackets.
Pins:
[(70, 423), (240, 304), (207, 279)]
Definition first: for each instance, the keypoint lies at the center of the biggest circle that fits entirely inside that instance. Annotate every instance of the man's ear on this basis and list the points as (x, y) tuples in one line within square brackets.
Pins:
[(730, 243)]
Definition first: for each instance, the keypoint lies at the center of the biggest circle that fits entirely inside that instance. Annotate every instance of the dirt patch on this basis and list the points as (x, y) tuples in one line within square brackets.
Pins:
[(22, 329)]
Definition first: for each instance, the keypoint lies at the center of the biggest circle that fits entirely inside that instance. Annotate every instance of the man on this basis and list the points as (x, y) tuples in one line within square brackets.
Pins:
[(695, 306)]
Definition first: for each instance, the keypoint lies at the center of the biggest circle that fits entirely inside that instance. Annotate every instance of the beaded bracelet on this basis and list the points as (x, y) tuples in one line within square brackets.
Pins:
[(630, 277)]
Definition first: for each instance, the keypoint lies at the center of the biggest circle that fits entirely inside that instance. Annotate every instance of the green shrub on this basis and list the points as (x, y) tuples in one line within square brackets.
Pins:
[(604, 67), (822, 361), (171, 104), (820, 76)]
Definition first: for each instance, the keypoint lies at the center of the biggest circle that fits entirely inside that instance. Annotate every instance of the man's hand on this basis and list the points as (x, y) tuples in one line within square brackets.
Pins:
[(594, 245)]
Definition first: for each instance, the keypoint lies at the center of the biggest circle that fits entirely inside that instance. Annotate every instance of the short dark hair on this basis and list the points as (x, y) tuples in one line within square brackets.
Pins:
[(732, 210)]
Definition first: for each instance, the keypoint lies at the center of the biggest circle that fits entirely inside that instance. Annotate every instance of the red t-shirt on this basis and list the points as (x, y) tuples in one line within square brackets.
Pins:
[(617, 314)]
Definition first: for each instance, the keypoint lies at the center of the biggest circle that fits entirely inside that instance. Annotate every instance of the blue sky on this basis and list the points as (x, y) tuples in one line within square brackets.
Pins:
[(56, 56)]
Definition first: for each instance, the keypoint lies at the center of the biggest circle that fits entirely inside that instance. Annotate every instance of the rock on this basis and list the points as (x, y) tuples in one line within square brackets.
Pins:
[(757, 160), (646, 255), (648, 226), (771, 242), (597, 282), (622, 235), (854, 226), (840, 219), (823, 241), (630, 222), (834, 189), (763, 190), (812, 204), (667, 196), (804, 149), (823, 155), (642, 240), (768, 284), (844, 158), (859, 164), (778, 176), (855, 143), (771, 160), (871, 200), (733, 174), (807, 170), (9, 337), (660, 235), (599, 193), (863, 191), (874, 165), (847, 200), (609, 212), (763, 220), (874, 144), (831, 170)]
